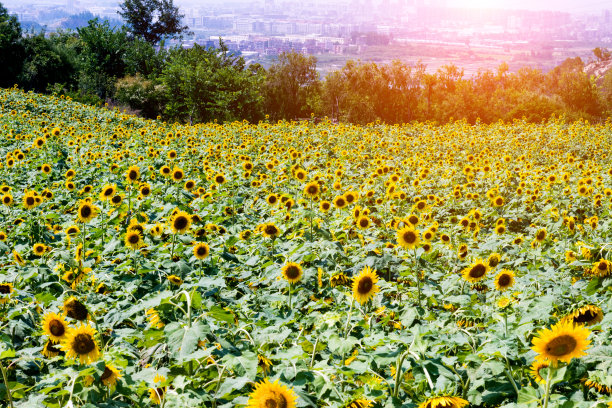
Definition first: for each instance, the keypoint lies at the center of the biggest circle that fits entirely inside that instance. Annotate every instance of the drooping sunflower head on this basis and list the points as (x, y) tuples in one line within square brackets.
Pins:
[(175, 280), (444, 402), (408, 237), (201, 250), (110, 375), (55, 326), (180, 222), (494, 259), (541, 235), (601, 268), (364, 285), (504, 280), (75, 309), (72, 230), (562, 342), (476, 271), (50, 349), (586, 315), (80, 343), (272, 395), (535, 371), (292, 272)]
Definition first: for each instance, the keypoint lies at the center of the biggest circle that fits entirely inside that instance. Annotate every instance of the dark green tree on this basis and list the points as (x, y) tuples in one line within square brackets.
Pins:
[(291, 86), (10, 48), (153, 20), (204, 85)]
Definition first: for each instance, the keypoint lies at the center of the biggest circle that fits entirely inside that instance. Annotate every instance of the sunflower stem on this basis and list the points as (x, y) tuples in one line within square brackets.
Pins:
[(314, 351), (550, 370), (6, 385), (348, 319), (217, 386), (398, 371), (172, 248), (290, 287)]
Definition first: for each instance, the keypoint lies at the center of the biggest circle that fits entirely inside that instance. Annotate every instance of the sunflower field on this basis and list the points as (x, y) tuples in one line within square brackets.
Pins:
[(282, 265)]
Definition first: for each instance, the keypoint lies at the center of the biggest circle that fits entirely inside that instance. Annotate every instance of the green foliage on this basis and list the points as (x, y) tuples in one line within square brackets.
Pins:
[(210, 84), (10, 48), (153, 20), (141, 94), (291, 86)]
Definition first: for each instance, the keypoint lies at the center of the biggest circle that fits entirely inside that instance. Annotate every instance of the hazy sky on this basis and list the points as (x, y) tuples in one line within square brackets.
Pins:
[(576, 6)]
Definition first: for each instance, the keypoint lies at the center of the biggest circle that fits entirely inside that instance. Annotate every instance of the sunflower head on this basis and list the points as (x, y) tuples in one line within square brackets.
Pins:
[(201, 250), (271, 395), (55, 326), (363, 222), (180, 222), (133, 239), (39, 249), (175, 280), (364, 285), (312, 189), (444, 402), (75, 309), (80, 343), (292, 272), (408, 237), (535, 371), (504, 280), (110, 375), (86, 211), (50, 349), (270, 230), (132, 174), (586, 315), (476, 271), (562, 342)]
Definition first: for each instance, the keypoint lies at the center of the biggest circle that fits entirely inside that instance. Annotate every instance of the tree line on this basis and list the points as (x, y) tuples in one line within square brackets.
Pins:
[(126, 65)]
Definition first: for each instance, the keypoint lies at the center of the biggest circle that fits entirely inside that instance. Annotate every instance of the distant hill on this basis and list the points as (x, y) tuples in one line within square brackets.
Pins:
[(598, 69)]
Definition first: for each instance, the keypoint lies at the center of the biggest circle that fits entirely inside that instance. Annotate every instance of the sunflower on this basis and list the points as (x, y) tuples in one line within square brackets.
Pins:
[(110, 375), (540, 235), (72, 230), (340, 202), (86, 212), (267, 394), (80, 343), (177, 174), (17, 257), (133, 174), (180, 222), (175, 280), (494, 259), (312, 189), (49, 350), (364, 285), (75, 309), (272, 199), (189, 185), (601, 268), (324, 206), (165, 171), (339, 279), (55, 326), (133, 239), (46, 168), (116, 200), (408, 237), (270, 230), (3, 236), (444, 402), (6, 289), (264, 363), (29, 200), (476, 271), (145, 189), (154, 319), (535, 368), (587, 315), (363, 222), (504, 280), (39, 249), (157, 230), (157, 394), (201, 250), (562, 342), (219, 179), (7, 199), (360, 403), (292, 272)]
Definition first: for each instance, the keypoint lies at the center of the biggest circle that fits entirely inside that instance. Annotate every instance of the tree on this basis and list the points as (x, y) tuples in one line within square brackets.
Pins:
[(291, 86), (602, 54), (10, 48), (203, 85), (153, 20)]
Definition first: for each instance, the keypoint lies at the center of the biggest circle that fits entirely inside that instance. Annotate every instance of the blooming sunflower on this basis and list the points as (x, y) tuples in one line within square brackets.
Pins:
[(504, 280), (540, 235), (110, 375), (364, 285), (270, 231), (267, 394), (476, 271), (586, 315), (562, 342), (39, 249), (324, 206), (601, 268), (55, 326), (6, 288), (494, 259), (340, 202), (133, 239), (180, 222), (29, 200), (535, 368), (312, 189), (292, 272), (86, 212), (408, 237), (80, 343), (132, 174), (444, 402), (157, 394), (108, 192), (201, 250), (360, 403), (363, 222), (75, 309), (177, 174)]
